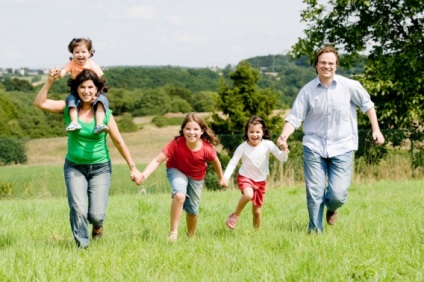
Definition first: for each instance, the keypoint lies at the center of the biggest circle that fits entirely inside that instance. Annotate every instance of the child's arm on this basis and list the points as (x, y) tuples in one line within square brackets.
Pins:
[(63, 72), (282, 155), (153, 165), (216, 163)]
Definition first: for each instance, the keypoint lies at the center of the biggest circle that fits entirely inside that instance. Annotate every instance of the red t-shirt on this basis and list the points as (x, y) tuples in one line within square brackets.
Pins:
[(192, 164)]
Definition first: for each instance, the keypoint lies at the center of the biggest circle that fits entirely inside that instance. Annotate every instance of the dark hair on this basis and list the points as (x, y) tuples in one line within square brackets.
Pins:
[(85, 75), (208, 133), (78, 41), (254, 120), (326, 49)]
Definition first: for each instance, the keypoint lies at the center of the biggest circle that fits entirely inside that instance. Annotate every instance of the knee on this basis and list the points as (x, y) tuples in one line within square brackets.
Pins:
[(248, 193), (179, 197), (336, 199), (96, 218)]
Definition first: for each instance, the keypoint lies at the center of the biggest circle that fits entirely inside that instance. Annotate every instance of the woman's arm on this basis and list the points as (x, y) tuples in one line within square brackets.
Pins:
[(48, 105), (119, 143)]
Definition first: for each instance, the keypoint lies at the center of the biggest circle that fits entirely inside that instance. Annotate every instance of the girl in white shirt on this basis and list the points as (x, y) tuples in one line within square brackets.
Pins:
[(251, 178)]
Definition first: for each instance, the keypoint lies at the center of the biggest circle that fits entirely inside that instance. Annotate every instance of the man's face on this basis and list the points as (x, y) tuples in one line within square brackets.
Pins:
[(326, 66)]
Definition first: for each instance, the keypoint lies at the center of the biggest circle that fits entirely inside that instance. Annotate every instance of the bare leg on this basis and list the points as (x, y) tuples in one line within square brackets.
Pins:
[(191, 220), (244, 199), (257, 216), (176, 211), (100, 114), (73, 115)]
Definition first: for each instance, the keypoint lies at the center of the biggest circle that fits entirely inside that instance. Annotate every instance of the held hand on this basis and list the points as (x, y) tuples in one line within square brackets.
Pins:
[(223, 182), (378, 137), (282, 142), (54, 73), (137, 177)]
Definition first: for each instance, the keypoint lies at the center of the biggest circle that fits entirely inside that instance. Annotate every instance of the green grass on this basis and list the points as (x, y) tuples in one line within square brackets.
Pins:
[(46, 181), (379, 237)]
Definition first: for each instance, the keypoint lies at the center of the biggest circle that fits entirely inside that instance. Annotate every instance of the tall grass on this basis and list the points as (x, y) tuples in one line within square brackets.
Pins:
[(379, 237)]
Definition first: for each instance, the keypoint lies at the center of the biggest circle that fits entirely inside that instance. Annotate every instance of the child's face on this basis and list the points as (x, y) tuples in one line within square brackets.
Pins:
[(81, 54), (192, 131), (255, 133)]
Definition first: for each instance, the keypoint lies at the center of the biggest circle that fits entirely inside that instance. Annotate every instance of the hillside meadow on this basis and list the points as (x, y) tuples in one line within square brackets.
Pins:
[(379, 237)]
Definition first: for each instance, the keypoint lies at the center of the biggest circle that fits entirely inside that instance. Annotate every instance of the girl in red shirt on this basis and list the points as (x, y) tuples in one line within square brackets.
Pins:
[(186, 156)]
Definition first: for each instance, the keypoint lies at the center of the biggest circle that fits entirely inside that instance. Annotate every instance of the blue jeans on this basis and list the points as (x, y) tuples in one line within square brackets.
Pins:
[(191, 188), (337, 171), (88, 191)]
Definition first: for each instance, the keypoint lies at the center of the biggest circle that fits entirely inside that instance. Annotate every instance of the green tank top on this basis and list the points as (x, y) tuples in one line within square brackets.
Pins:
[(85, 147)]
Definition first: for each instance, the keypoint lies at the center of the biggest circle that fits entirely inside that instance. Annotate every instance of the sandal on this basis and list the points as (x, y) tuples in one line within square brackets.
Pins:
[(73, 127), (232, 221), (101, 128)]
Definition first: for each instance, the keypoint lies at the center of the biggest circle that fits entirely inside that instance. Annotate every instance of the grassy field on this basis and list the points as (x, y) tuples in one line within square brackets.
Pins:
[(379, 237)]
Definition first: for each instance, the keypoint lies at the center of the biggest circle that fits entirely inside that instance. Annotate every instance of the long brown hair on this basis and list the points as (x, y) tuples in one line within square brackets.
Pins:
[(208, 133)]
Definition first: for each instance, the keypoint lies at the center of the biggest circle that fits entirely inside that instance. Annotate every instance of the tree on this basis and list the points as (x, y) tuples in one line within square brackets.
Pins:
[(391, 33), (241, 101)]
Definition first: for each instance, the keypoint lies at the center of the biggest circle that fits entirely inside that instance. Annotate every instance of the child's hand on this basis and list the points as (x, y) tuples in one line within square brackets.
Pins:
[(285, 149), (282, 142), (223, 182)]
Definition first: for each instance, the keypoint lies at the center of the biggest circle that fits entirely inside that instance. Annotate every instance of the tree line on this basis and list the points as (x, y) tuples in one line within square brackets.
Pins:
[(141, 91)]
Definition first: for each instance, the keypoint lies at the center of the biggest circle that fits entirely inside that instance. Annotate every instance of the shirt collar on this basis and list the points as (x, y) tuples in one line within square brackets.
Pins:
[(334, 81)]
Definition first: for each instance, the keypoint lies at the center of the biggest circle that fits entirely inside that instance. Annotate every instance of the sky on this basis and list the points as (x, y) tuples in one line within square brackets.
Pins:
[(189, 33)]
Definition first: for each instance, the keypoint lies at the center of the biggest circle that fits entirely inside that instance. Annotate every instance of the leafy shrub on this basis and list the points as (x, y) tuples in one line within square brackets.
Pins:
[(12, 151), (160, 121), (126, 124)]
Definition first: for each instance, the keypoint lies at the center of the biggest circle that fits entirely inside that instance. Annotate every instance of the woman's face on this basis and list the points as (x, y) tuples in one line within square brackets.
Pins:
[(87, 91), (192, 131)]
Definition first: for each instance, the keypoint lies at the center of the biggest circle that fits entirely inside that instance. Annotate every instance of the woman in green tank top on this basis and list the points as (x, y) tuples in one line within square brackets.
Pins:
[(87, 167)]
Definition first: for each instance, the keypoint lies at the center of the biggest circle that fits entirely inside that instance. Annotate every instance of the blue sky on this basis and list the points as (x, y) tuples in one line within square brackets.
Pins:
[(191, 33)]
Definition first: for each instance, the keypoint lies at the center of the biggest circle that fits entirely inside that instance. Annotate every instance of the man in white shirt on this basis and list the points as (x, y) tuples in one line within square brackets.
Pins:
[(327, 107)]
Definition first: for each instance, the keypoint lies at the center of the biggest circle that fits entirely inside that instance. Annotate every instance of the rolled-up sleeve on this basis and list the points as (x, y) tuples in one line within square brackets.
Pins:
[(360, 97)]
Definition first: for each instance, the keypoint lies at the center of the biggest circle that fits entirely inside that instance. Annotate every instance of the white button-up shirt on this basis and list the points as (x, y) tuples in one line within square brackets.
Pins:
[(329, 115)]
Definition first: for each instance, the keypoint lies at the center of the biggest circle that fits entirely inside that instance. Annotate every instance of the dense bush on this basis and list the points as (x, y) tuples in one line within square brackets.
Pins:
[(12, 151)]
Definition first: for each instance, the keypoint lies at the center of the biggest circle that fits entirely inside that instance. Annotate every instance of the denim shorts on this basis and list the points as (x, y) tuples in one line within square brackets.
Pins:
[(191, 188)]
